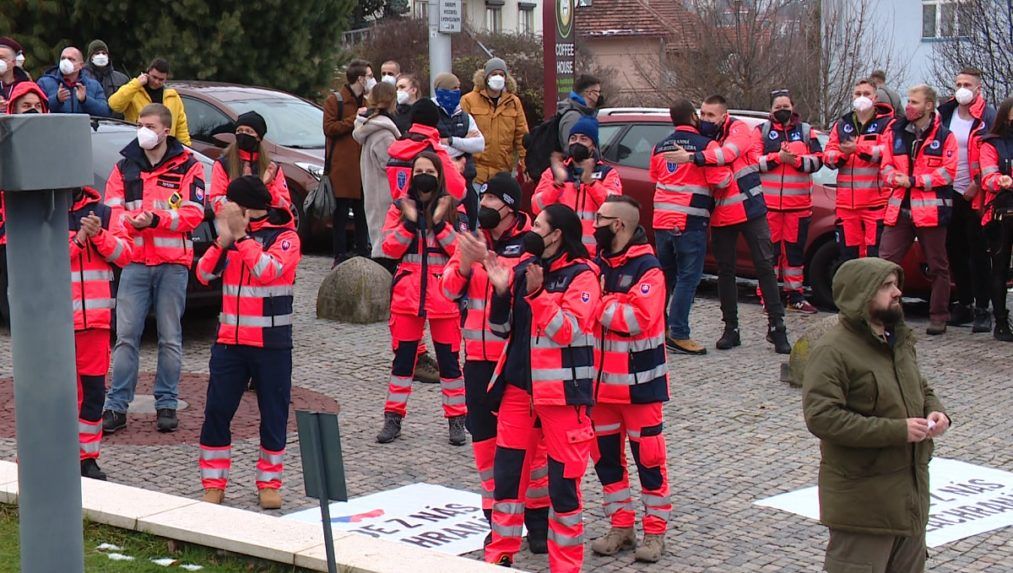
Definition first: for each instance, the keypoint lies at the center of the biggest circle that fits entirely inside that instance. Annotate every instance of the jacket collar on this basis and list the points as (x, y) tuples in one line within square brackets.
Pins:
[(89, 196), (637, 247), (275, 219), (134, 153)]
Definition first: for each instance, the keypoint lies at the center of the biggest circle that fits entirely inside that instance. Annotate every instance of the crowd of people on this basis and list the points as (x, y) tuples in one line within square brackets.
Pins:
[(566, 313)]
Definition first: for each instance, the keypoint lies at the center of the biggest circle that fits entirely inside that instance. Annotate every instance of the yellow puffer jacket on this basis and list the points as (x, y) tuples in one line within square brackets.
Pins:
[(503, 125), (131, 98)]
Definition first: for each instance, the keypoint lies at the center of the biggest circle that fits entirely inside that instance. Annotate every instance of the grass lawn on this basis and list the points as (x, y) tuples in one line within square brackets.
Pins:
[(142, 547)]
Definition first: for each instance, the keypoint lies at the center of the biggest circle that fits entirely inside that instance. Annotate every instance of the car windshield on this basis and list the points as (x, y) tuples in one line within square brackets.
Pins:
[(291, 122)]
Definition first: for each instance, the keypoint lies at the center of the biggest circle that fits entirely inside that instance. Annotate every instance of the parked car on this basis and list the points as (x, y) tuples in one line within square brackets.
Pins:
[(294, 138), (627, 137)]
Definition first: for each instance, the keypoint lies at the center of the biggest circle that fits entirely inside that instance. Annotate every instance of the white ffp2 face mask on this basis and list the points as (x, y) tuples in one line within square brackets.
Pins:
[(496, 82), (402, 97), (3, 67), (67, 67), (370, 84), (19, 61), (389, 79), (100, 60), (147, 138), (862, 103), (964, 96)]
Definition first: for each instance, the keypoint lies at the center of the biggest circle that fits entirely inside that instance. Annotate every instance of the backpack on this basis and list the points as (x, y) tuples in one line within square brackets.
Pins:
[(540, 143)]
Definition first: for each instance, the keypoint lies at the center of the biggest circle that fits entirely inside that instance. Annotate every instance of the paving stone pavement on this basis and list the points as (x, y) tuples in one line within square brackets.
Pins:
[(735, 434)]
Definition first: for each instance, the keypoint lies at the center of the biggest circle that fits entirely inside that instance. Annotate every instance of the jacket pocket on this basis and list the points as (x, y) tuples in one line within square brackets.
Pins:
[(580, 440)]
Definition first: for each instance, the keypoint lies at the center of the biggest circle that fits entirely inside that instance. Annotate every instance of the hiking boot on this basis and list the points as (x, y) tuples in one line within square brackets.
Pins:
[(214, 495), (167, 421), (959, 315), (802, 305), (778, 336), (457, 437), (684, 346), (113, 422), (1002, 331), (537, 523), (270, 498), (935, 328), (391, 428), (982, 320), (617, 539), (90, 469), (729, 339), (651, 549), (427, 371)]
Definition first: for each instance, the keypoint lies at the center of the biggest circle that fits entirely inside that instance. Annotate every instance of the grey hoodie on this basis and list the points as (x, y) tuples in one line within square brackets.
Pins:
[(375, 135)]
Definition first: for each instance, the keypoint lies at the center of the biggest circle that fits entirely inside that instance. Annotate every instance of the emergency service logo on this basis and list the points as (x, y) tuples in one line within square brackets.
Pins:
[(402, 179), (671, 167), (585, 296), (935, 144), (645, 288), (286, 245), (848, 128), (773, 135), (199, 194)]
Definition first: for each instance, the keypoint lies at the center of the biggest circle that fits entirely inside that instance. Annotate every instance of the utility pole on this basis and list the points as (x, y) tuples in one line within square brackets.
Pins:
[(444, 19)]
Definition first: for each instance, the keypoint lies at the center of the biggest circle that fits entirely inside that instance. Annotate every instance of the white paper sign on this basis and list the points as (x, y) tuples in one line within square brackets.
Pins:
[(451, 15), (424, 515), (965, 500)]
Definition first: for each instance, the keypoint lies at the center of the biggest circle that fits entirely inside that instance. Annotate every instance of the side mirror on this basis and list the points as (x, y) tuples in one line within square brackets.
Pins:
[(224, 139)]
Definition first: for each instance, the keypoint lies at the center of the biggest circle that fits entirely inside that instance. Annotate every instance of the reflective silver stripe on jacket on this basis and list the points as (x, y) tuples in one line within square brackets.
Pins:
[(91, 276), (552, 374), (95, 304), (258, 321), (258, 291)]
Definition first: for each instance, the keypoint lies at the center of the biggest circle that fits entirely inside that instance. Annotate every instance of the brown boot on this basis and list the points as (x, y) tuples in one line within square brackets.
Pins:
[(270, 498), (214, 495), (651, 550), (617, 539)]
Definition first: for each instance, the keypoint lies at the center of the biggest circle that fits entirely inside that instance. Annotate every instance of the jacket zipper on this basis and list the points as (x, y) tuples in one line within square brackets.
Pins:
[(485, 317), (239, 291), (84, 307), (424, 279)]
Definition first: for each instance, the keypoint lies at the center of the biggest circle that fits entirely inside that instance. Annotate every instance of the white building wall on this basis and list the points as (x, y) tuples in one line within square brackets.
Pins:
[(475, 12)]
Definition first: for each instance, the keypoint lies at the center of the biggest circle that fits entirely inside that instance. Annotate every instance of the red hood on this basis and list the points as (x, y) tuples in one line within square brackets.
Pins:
[(276, 219), (89, 197), (418, 139), (24, 88)]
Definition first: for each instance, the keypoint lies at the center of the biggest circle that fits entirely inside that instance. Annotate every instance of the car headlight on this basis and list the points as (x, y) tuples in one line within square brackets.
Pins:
[(317, 171)]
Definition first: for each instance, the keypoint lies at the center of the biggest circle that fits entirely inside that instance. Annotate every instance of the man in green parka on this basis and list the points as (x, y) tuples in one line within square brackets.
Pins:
[(876, 418)]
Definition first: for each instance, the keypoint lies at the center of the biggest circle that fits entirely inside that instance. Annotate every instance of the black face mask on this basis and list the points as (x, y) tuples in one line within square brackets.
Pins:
[(604, 236), (601, 102), (247, 142), (580, 152), (782, 116), (489, 218), (534, 244), (709, 129), (423, 183), (32, 110)]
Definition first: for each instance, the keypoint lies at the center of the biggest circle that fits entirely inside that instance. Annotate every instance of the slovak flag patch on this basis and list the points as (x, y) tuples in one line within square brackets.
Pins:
[(585, 296), (286, 245), (645, 288)]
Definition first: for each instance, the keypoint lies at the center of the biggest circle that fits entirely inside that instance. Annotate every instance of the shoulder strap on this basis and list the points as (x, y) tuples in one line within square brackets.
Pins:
[(330, 147)]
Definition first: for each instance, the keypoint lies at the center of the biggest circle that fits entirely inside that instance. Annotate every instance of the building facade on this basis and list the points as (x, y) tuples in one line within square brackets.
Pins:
[(492, 16)]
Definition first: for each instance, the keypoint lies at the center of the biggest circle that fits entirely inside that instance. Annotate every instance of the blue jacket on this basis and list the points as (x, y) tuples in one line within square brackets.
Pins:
[(95, 98)]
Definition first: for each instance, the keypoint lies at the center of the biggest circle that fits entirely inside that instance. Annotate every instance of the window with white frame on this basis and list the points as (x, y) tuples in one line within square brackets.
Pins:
[(494, 19), (526, 19), (941, 18), (422, 10)]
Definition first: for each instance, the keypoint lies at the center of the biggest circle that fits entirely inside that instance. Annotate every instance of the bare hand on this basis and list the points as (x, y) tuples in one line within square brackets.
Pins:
[(559, 173), (902, 180), (786, 157), (225, 237), (942, 423), (269, 173), (445, 141), (408, 210), (535, 277), (1005, 181), (82, 92), (236, 219), (3, 102), (679, 156), (92, 225), (62, 94), (587, 171), (443, 206), (461, 162), (143, 79), (472, 250), (971, 191), (849, 146), (140, 221), (917, 429), (499, 275)]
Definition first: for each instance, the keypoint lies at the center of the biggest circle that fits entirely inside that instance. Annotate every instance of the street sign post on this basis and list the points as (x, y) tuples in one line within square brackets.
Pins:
[(323, 468), (559, 50), (444, 17), (37, 198)]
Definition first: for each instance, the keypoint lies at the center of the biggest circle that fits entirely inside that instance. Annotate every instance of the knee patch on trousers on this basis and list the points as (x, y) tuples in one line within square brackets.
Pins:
[(93, 390), (649, 453), (506, 472), (608, 465), (562, 490), (448, 360), (405, 357)]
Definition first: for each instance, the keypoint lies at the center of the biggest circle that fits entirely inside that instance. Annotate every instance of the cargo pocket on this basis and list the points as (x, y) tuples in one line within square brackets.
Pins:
[(652, 451), (580, 440)]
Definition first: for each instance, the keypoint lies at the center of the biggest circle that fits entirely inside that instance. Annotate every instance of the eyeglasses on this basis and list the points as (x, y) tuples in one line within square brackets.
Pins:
[(779, 93), (598, 218)]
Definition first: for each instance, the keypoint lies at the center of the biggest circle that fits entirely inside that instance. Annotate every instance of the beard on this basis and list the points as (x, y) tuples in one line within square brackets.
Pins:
[(890, 315)]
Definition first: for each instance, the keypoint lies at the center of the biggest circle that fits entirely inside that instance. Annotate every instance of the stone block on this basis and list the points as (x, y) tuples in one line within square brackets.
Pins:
[(356, 291)]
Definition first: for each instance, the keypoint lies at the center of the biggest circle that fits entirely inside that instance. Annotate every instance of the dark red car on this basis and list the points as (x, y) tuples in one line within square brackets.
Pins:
[(627, 137)]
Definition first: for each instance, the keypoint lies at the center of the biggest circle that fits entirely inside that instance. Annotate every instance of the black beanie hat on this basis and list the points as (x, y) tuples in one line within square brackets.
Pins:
[(425, 112), (250, 192), (504, 186), (254, 121)]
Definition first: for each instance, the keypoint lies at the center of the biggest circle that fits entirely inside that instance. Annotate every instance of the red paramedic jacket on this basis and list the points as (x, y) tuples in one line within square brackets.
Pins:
[(258, 274), (931, 165), (173, 191), (996, 160), (584, 199), (92, 262), (787, 187), (280, 196), (424, 254), (683, 194), (742, 200), (402, 152), (631, 322), (858, 182), (551, 351), (19, 89)]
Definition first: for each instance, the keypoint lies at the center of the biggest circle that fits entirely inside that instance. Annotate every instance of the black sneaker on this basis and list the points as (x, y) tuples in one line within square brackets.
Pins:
[(391, 428), (90, 469), (960, 315), (982, 320), (167, 421), (729, 339), (778, 336), (457, 437), (113, 422)]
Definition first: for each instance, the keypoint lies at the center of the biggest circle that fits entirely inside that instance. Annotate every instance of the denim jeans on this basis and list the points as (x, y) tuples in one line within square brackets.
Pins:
[(681, 256), (142, 286)]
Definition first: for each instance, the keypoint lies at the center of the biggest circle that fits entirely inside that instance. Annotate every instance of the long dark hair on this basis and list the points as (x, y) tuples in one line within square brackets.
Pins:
[(441, 188), (1001, 125), (565, 219)]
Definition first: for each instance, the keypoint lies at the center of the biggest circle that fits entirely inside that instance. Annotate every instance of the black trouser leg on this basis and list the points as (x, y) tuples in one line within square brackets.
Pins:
[(757, 235), (340, 220), (1000, 241), (724, 239)]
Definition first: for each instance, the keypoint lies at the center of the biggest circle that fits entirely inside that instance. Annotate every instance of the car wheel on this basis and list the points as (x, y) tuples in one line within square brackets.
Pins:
[(822, 267)]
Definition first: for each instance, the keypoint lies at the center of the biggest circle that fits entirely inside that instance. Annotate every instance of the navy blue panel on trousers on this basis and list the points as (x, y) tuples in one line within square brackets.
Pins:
[(562, 490), (93, 396), (506, 472), (650, 478), (608, 468), (480, 421)]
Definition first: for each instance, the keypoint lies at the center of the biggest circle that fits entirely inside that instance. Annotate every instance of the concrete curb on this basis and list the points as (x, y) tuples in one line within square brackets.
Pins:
[(245, 532)]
